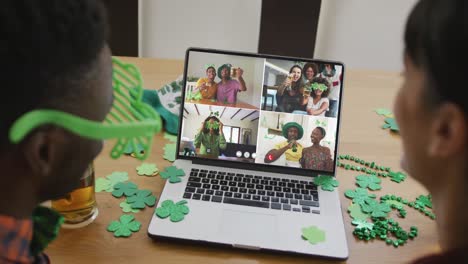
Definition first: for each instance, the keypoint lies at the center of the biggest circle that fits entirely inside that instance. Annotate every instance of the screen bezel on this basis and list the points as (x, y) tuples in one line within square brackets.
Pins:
[(258, 166)]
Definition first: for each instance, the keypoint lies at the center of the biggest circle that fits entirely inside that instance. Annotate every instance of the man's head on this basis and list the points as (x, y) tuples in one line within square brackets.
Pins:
[(293, 131), (431, 108), (54, 56), (224, 72)]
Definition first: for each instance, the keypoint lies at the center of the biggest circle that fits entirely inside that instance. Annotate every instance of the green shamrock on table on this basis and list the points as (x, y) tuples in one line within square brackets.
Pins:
[(173, 174), (124, 227), (141, 199), (127, 208), (359, 196), (362, 224), (147, 169), (326, 182), (107, 184), (397, 176), (313, 234), (356, 213), (424, 201), (170, 152), (103, 184), (384, 111), (127, 188), (171, 138), (390, 123), (372, 182), (176, 211), (376, 209)]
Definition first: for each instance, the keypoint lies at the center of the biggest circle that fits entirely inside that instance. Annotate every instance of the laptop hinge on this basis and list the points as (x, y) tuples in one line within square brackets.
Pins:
[(246, 247)]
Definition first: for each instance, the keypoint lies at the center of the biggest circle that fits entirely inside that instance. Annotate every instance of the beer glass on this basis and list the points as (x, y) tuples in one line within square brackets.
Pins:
[(234, 72)]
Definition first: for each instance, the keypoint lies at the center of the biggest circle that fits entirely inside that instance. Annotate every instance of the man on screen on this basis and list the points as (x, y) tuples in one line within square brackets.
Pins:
[(292, 131)]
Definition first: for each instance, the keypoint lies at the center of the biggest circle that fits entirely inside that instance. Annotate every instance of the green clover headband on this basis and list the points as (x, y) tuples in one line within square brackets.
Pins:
[(209, 65), (130, 120), (319, 86)]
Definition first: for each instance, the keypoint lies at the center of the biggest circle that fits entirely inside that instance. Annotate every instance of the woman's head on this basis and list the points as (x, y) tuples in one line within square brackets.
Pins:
[(310, 70), (317, 135), (328, 70), (211, 124), (319, 84), (430, 108), (211, 73), (296, 73)]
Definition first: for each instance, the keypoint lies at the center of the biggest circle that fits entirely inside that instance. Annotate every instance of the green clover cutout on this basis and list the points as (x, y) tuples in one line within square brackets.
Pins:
[(171, 138), (359, 196), (376, 209), (313, 234), (356, 213), (103, 184), (173, 174), (126, 208), (326, 182), (372, 182), (147, 169), (390, 123), (176, 211), (384, 112), (397, 176), (127, 188), (424, 201), (117, 176), (124, 227), (141, 199), (170, 152), (362, 224)]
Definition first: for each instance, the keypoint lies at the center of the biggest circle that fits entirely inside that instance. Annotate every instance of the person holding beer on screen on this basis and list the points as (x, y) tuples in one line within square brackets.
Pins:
[(317, 102), (55, 56), (228, 87), (207, 86), (289, 96), (292, 149)]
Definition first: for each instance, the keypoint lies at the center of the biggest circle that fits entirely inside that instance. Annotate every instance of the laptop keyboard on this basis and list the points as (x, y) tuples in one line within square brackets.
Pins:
[(249, 190)]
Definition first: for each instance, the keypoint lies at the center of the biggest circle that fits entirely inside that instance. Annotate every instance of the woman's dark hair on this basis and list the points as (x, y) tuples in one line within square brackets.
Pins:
[(311, 65), (206, 130), (436, 36), (322, 130), (211, 67), (299, 82), (324, 81)]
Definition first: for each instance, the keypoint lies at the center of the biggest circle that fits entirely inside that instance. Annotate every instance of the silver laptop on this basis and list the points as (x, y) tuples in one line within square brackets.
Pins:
[(255, 130)]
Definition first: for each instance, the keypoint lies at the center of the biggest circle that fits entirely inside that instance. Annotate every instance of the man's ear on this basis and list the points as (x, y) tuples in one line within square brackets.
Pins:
[(448, 133), (42, 149)]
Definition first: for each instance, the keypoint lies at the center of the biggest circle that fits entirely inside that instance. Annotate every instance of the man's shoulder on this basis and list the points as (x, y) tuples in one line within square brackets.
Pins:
[(281, 144)]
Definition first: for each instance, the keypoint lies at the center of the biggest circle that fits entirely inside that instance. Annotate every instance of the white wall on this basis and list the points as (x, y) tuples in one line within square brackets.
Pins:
[(169, 27)]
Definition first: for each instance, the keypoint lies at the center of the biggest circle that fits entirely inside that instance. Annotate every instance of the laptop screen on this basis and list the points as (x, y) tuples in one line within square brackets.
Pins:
[(254, 109)]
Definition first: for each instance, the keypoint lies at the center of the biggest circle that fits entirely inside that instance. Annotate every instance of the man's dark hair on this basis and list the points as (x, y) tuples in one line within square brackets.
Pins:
[(48, 48), (435, 40)]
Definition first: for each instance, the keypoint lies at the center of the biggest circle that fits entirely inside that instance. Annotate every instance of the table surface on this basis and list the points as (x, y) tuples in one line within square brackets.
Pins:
[(361, 135)]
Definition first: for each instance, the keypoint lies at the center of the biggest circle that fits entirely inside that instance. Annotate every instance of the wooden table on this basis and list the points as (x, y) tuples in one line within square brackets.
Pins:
[(361, 135)]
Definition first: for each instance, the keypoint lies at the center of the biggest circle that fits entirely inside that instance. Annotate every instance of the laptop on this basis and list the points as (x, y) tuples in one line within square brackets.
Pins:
[(254, 132)]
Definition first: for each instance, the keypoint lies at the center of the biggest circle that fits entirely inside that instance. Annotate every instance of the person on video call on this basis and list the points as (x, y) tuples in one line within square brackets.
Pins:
[(317, 157), (207, 86), (317, 102), (289, 95), (310, 71), (292, 131), (330, 74), (210, 138), (228, 87)]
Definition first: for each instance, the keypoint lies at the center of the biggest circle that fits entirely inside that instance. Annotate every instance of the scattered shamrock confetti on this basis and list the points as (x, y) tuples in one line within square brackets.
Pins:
[(126, 208), (172, 138), (170, 152), (384, 112), (397, 176), (127, 188), (103, 184), (326, 182), (376, 209), (372, 182), (147, 169), (394, 203), (391, 124), (362, 224), (124, 227), (173, 174), (141, 199), (117, 176), (176, 211), (359, 196), (356, 213), (313, 234), (424, 200)]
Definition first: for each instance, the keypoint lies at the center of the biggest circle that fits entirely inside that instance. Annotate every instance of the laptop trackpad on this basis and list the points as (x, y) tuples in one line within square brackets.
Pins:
[(250, 229)]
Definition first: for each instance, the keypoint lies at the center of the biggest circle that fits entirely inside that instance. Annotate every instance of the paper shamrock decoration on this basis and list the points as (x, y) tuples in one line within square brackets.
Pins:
[(376, 209), (313, 234), (107, 184), (326, 182), (359, 196), (117, 176), (423, 201), (103, 184), (362, 224), (147, 169), (372, 182), (173, 174), (214, 113), (171, 138), (390, 123), (141, 199), (397, 176), (384, 112), (176, 211), (170, 152), (124, 227), (126, 208), (127, 188), (356, 213)]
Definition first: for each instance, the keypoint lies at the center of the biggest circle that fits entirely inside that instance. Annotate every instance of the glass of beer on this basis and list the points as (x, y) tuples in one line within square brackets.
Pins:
[(79, 207), (234, 72), (306, 92)]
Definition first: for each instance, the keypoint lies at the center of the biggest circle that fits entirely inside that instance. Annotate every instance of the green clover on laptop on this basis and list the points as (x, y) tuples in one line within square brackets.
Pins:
[(131, 121)]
